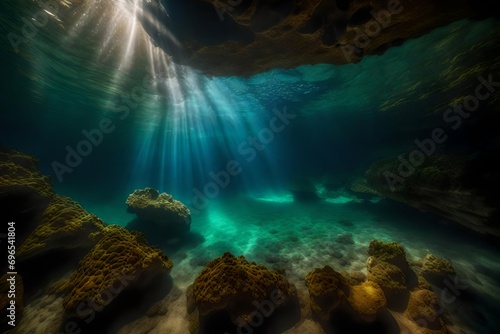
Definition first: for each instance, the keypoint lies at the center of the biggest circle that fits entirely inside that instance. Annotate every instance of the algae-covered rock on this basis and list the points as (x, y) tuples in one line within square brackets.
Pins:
[(65, 225), (119, 259), (24, 191), (159, 211), (19, 175), (327, 290), (436, 269), (236, 287), (391, 252), (423, 309), (367, 300)]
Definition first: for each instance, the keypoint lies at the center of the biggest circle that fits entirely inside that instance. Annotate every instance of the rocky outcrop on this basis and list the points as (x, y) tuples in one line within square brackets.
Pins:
[(24, 191), (226, 37), (232, 288), (435, 269), (19, 175), (454, 187), (394, 296), (119, 260), (159, 212), (65, 225)]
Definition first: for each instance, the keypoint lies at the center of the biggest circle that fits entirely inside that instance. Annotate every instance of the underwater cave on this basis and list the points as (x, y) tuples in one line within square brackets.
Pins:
[(242, 166)]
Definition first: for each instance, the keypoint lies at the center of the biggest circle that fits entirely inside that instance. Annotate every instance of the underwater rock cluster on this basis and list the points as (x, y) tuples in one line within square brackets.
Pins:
[(113, 259), (108, 264), (454, 187), (226, 37), (395, 295), (159, 212)]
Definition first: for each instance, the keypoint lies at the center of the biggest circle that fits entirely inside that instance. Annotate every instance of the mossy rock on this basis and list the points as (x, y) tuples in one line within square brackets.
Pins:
[(118, 260), (65, 225), (367, 300), (436, 269), (391, 252), (159, 211), (423, 308), (228, 277), (19, 174), (327, 290), (388, 276)]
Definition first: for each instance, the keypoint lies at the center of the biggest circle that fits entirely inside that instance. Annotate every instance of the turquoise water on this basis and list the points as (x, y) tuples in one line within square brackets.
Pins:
[(175, 129)]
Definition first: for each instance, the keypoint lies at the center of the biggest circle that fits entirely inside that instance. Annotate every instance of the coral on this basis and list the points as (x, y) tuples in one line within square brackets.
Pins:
[(162, 210), (234, 285), (5, 301), (118, 260), (436, 269), (65, 225), (367, 299)]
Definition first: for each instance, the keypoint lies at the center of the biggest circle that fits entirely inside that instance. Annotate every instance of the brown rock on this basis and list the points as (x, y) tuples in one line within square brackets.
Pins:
[(236, 287), (246, 37)]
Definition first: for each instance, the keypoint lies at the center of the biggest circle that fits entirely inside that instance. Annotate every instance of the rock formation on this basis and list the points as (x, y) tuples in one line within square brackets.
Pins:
[(65, 225), (394, 296), (24, 191), (234, 289), (454, 187), (159, 213), (226, 37), (119, 260)]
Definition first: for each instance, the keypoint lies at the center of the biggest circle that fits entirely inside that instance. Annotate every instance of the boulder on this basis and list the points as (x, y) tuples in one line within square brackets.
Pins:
[(159, 213), (118, 261), (65, 225), (436, 269), (234, 289)]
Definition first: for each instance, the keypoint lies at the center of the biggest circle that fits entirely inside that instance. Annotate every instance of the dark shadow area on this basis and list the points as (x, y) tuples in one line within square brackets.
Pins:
[(345, 322), (164, 237), (40, 271), (261, 321), (25, 210), (397, 301), (133, 302), (361, 16)]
